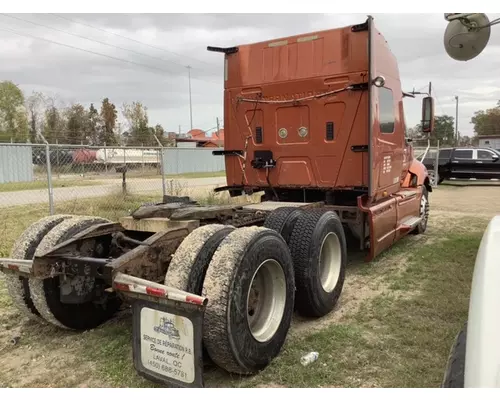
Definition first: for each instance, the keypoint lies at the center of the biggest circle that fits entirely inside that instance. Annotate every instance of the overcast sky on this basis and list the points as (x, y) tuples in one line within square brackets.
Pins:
[(161, 83)]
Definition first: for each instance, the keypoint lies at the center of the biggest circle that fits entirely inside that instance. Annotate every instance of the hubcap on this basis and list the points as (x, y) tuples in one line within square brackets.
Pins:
[(424, 207), (330, 261), (266, 300), (432, 178)]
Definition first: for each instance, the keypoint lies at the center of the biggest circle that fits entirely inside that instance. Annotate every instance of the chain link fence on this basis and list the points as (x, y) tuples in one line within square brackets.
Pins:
[(86, 179), (74, 179), (428, 153)]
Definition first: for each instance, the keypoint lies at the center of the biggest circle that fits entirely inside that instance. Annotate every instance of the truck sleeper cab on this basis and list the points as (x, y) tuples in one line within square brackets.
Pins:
[(320, 117)]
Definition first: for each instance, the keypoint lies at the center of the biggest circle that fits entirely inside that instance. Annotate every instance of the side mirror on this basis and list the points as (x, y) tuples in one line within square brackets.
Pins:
[(494, 157), (427, 114)]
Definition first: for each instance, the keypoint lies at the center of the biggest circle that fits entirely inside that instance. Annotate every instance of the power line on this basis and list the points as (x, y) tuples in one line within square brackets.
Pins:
[(88, 51), (103, 43), (92, 40), (438, 102), (422, 88), (133, 40)]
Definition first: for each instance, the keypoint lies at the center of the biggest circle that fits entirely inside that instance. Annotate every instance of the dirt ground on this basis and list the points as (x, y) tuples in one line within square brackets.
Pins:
[(44, 356)]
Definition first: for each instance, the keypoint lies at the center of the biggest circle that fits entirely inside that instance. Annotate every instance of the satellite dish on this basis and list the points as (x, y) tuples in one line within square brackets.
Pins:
[(466, 38)]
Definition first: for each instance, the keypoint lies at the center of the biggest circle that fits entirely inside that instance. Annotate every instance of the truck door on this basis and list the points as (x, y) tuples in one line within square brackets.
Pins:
[(486, 164), (462, 164)]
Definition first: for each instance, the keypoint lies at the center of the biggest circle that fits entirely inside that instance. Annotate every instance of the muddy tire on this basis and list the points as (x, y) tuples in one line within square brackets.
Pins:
[(191, 259), (24, 249), (190, 262), (46, 292), (424, 212), (282, 220), (454, 376), (250, 286), (319, 251)]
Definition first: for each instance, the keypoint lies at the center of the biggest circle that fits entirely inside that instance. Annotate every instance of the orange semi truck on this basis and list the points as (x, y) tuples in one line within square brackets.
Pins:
[(316, 123), (320, 117)]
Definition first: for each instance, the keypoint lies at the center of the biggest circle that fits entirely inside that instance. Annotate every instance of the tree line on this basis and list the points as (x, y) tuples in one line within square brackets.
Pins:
[(23, 119), (485, 122)]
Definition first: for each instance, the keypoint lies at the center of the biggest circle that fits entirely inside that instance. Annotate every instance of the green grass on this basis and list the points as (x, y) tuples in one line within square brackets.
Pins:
[(14, 220), (469, 183), (399, 336), (112, 339), (42, 184), (114, 361), (402, 337), (193, 175), (92, 180)]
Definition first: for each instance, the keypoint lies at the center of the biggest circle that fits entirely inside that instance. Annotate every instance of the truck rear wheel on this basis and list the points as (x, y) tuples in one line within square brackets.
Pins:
[(191, 259), (24, 249), (319, 252), (250, 284), (282, 220), (46, 292)]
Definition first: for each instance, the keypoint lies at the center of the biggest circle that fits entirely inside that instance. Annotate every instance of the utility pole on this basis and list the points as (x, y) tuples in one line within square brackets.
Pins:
[(190, 104), (430, 94), (456, 121), (217, 126)]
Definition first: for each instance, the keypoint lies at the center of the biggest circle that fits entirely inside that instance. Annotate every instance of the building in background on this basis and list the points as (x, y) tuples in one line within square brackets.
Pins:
[(492, 141), (198, 138)]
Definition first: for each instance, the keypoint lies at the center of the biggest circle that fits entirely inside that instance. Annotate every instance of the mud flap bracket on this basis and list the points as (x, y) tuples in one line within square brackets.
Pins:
[(167, 328)]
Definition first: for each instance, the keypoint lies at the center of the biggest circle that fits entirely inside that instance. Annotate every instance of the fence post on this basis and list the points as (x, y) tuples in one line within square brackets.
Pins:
[(162, 168), (436, 165), (124, 180), (105, 158), (124, 172), (57, 159), (142, 157), (49, 175), (83, 163)]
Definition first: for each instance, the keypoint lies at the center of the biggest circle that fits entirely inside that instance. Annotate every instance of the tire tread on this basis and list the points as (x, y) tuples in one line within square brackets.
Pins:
[(24, 248), (300, 245)]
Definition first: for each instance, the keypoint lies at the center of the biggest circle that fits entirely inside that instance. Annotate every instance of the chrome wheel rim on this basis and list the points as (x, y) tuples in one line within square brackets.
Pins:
[(424, 207), (330, 262), (266, 300)]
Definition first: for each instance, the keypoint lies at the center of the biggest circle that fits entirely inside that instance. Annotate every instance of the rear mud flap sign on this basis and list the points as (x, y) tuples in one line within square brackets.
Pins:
[(168, 343)]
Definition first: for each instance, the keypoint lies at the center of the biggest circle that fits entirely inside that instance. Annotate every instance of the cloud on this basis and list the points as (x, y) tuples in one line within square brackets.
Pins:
[(156, 74)]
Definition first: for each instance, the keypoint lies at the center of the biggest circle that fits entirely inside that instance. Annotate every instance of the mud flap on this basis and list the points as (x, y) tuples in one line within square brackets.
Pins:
[(167, 342), (167, 326)]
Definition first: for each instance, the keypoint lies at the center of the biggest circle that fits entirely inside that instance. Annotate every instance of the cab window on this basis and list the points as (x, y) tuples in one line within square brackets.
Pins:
[(484, 155), (463, 154), (444, 154), (386, 110)]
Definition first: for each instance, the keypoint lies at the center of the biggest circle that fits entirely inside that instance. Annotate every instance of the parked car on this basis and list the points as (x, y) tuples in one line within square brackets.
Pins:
[(469, 163)]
